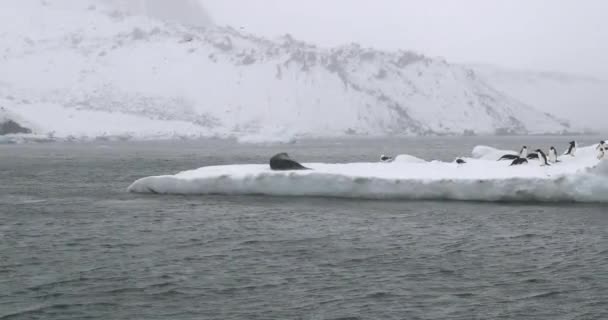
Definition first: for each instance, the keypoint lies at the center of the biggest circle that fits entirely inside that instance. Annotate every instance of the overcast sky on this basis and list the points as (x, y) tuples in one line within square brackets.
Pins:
[(557, 35)]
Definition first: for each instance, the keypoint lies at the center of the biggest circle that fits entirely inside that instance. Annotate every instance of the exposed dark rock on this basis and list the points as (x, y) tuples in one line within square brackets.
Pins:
[(469, 133), (248, 60), (505, 132), (12, 127)]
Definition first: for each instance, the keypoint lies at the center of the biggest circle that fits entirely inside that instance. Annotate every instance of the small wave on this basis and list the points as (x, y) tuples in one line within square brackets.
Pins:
[(464, 295), (525, 236), (20, 199), (380, 295), (44, 308), (547, 294), (535, 280)]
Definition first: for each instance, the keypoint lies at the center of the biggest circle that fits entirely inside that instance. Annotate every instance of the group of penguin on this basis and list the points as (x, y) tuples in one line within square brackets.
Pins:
[(546, 160), (523, 156), (282, 161)]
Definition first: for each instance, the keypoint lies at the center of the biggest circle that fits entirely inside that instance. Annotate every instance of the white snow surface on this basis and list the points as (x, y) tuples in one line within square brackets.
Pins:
[(80, 68), (489, 153), (406, 158), (189, 12), (582, 178), (580, 99)]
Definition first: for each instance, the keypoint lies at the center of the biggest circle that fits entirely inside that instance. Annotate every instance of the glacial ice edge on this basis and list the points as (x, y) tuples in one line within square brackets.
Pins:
[(583, 178)]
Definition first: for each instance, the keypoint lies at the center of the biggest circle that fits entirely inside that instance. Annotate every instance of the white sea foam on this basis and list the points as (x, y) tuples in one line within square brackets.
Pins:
[(583, 178)]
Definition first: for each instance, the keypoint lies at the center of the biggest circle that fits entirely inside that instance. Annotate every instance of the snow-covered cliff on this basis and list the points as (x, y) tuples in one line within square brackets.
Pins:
[(89, 70)]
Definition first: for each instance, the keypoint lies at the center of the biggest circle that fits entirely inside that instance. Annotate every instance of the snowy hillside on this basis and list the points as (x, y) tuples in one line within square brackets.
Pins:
[(190, 12), (582, 100), (83, 70)]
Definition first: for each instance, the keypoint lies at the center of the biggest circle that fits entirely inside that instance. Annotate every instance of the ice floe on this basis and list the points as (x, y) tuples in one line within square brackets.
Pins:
[(583, 178)]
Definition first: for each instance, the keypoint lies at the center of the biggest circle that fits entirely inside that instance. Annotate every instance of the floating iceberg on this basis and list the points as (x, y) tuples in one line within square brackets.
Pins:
[(583, 178)]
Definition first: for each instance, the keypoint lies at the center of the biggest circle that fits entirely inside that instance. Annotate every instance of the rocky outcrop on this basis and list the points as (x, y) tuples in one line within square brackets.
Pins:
[(12, 127)]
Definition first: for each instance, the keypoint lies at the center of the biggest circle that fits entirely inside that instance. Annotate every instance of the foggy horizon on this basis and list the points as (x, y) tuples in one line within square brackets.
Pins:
[(539, 35), (159, 165)]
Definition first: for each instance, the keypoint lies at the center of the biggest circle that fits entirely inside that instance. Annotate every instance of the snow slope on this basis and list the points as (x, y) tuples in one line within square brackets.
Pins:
[(580, 99), (583, 178), (78, 69), (189, 12)]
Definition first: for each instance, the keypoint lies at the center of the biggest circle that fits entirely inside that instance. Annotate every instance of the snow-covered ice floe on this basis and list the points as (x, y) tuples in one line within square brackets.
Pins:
[(583, 178)]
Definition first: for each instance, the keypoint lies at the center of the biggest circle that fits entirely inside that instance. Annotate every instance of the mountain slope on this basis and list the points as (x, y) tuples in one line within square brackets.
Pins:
[(580, 99), (94, 71)]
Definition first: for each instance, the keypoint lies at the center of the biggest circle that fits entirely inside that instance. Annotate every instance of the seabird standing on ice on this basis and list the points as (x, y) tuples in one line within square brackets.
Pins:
[(571, 149), (522, 154), (543, 157), (602, 152), (553, 155)]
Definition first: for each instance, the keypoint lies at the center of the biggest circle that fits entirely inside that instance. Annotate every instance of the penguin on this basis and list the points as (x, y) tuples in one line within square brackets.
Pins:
[(508, 157), (384, 158), (532, 156), (522, 154), (543, 158), (571, 149), (601, 153), (553, 155), (460, 161), (601, 145), (519, 161)]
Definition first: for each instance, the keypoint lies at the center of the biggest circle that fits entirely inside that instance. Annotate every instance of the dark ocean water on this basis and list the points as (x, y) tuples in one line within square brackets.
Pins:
[(75, 245)]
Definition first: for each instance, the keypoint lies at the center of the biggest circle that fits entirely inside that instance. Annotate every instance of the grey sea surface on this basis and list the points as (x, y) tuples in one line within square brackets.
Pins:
[(75, 245)]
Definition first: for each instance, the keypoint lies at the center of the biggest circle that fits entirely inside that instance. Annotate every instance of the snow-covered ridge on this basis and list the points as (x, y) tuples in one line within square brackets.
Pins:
[(79, 64), (583, 178), (580, 99)]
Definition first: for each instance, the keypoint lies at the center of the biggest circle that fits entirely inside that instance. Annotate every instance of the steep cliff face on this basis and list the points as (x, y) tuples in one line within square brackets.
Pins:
[(80, 62)]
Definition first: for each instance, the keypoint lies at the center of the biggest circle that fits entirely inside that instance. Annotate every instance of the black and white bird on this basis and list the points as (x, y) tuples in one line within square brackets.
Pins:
[(602, 152), (571, 149), (601, 145), (385, 158), (519, 161), (508, 157), (522, 154), (553, 155), (532, 156), (543, 157)]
